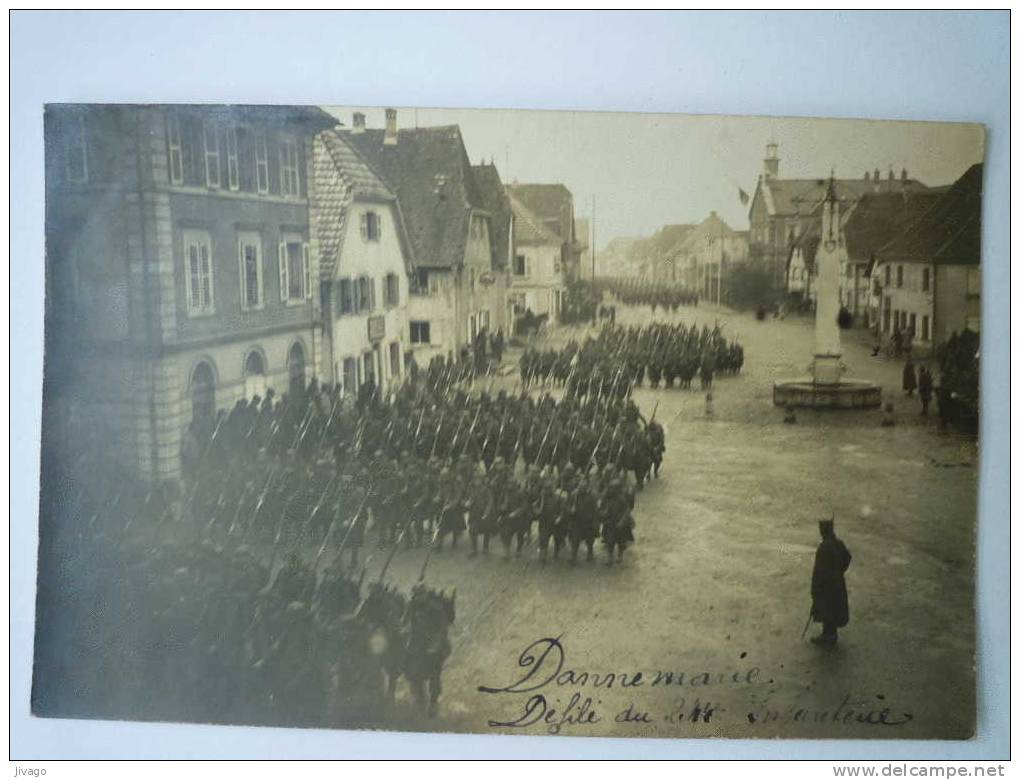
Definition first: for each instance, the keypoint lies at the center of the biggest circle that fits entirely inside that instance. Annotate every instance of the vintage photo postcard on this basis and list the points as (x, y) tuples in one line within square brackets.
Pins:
[(512, 422)]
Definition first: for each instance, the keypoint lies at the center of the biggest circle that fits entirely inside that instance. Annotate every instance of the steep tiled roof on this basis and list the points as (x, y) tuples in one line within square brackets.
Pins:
[(551, 203), (528, 228), (429, 171), (802, 196), (878, 218), (949, 232), (496, 202), (340, 176)]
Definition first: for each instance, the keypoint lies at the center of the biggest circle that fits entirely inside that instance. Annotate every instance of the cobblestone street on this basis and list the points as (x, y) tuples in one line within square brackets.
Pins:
[(715, 590)]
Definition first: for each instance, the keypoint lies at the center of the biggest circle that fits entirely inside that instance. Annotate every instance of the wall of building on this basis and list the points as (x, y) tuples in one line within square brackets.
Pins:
[(224, 217), (438, 307), (543, 280), (902, 301), (958, 299), (125, 344), (374, 259)]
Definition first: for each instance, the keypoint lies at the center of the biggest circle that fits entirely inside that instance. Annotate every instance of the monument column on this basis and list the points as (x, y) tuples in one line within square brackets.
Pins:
[(827, 366)]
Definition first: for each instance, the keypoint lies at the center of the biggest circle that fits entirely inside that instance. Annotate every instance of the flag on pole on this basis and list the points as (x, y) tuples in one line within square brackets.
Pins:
[(744, 197)]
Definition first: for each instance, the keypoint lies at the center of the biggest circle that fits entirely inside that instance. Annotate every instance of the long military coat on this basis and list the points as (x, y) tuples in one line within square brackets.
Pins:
[(828, 587)]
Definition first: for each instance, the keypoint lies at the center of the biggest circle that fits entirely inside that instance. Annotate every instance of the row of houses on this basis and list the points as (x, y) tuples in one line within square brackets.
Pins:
[(199, 255), (695, 255), (910, 255)]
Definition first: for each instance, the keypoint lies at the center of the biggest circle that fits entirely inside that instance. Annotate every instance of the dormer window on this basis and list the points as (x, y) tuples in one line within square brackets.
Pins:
[(371, 226)]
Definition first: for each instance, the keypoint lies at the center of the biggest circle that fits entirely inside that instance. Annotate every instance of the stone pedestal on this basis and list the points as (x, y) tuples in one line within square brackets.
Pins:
[(826, 388), (827, 370)]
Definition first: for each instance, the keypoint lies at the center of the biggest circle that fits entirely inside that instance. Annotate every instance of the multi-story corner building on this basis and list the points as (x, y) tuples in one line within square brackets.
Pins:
[(866, 223), (537, 279), (782, 209), (553, 206), (873, 221), (927, 280), (181, 271), (456, 288), (365, 258)]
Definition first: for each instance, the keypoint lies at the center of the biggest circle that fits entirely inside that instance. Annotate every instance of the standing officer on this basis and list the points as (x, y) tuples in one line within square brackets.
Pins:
[(829, 604)]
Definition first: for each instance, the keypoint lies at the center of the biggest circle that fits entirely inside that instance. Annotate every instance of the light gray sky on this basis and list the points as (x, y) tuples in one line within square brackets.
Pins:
[(648, 170)]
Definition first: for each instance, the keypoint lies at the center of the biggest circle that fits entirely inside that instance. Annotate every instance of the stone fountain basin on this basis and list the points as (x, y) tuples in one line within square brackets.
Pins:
[(846, 394)]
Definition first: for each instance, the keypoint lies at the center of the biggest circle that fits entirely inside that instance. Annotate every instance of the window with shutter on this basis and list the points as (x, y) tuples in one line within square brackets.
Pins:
[(198, 271), (250, 260), (261, 162), (373, 225), (391, 295), (290, 181), (294, 276), (364, 227), (420, 332), (283, 271), (371, 294), (364, 299)]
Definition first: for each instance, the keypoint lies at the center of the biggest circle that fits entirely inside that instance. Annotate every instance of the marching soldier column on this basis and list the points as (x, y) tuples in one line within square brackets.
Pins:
[(256, 568)]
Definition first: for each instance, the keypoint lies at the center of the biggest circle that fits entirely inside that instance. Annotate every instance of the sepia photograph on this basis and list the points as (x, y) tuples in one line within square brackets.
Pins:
[(574, 423)]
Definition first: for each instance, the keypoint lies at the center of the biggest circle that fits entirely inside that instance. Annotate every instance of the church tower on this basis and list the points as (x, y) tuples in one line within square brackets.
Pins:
[(772, 160)]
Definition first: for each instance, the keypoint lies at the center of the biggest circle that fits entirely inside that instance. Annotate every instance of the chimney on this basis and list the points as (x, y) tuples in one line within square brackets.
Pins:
[(891, 174), (358, 126), (867, 176), (903, 175), (878, 176), (390, 139)]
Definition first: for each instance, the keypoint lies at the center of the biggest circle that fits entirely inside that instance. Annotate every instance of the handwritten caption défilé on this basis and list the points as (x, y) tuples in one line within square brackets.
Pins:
[(555, 696)]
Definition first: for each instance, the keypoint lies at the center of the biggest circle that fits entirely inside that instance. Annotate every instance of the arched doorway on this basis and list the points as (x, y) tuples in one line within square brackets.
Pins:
[(254, 375), (203, 395), (296, 371)]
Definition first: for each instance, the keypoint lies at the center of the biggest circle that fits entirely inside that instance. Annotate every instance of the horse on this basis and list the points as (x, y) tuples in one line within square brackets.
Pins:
[(376, 631), (429, 617)]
